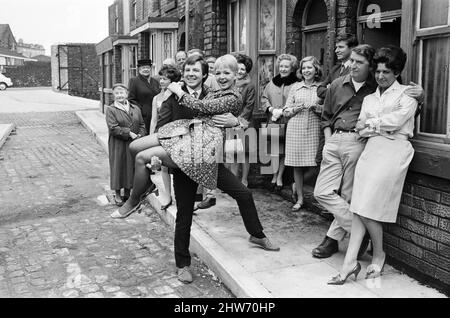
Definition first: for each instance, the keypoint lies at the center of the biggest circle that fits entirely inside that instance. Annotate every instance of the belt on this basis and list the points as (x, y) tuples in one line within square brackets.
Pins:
[(343, 131)]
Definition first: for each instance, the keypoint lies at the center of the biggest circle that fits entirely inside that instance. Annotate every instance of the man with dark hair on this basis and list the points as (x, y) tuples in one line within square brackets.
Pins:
[(344, 45), (142, 89), (343, 145), (195, 74)]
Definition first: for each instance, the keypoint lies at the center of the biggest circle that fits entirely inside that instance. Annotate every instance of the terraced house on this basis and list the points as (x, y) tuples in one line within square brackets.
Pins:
[(262, 29)]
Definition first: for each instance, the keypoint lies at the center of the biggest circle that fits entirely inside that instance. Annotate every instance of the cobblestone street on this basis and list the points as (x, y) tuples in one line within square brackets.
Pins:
[(56, 236)]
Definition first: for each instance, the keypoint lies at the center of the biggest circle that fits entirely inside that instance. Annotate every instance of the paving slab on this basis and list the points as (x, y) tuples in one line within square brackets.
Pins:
[(220, 240)]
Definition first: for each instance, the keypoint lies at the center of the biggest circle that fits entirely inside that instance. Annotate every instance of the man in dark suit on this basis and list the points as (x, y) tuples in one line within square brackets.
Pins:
[(142, 89), (195, 74), (344, 45)]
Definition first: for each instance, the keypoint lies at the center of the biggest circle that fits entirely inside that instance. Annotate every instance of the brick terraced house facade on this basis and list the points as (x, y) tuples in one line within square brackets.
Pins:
[(263, 29)]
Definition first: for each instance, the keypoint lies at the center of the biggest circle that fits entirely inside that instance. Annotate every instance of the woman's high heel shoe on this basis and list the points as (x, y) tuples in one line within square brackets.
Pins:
[(374, 271), (337, 280)]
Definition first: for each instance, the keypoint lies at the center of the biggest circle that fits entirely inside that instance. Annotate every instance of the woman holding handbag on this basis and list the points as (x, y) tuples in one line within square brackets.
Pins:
[(303, 128), (273, 100)]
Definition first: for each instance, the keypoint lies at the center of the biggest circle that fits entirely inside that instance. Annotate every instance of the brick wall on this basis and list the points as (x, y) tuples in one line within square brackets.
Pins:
[(31, 74), (117, 71), (112, 18), (420, 240), (144, 46), (215, 28), (84, 72)]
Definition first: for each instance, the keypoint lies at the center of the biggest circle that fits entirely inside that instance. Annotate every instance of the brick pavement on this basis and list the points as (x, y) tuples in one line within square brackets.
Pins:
[(56, 236)]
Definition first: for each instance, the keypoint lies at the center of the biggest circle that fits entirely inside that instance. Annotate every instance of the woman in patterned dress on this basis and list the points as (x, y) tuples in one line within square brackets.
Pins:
[(303, 128), (192, 144)]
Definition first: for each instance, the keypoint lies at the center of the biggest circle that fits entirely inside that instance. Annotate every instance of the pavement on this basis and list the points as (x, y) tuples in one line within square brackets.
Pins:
[(219, 239), (57, 238), (42, 99)]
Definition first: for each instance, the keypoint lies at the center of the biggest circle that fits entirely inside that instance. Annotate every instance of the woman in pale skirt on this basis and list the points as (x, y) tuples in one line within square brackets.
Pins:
[(387, 119)]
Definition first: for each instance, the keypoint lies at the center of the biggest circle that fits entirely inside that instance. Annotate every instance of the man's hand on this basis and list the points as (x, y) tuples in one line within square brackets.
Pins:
[(415, 91), (225, 120), (133, 135)]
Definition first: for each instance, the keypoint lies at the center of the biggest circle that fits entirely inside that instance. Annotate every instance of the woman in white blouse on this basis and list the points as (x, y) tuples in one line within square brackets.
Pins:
[(387, 120)]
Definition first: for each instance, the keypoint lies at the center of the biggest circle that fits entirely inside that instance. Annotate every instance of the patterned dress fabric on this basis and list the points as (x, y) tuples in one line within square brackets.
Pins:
[(195, 144), (303, 130)]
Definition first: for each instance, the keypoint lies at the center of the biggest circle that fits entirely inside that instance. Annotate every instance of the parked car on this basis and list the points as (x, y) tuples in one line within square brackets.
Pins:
[(5, 82)]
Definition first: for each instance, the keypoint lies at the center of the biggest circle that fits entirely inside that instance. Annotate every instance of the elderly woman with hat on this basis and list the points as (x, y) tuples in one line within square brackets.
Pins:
[(125, 124), (142, 89)]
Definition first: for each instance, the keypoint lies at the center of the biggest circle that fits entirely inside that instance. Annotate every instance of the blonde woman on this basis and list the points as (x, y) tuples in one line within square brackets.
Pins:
[(303, 128)]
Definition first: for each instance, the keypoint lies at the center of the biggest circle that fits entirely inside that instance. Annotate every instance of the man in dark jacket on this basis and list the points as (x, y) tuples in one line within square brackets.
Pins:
[(142, 89), (195, 69)]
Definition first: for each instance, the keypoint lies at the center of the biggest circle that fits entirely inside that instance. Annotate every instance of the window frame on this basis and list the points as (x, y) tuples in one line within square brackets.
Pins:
[(421, 34)]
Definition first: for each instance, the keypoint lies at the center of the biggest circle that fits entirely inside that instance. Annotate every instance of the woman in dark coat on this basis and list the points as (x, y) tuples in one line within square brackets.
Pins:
[(125, 124)]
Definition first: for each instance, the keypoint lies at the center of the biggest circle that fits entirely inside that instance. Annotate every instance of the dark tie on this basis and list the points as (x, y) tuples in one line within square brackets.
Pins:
[(195, 95), (342, 70)]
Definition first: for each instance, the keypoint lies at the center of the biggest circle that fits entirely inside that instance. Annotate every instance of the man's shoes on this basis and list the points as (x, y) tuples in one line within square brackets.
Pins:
[(264, 243), (364, 245), (207, 203), (184, 275), (327, 248)]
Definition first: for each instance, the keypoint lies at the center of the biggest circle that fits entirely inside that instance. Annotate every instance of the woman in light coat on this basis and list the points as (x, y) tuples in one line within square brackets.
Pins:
[(273, 101)]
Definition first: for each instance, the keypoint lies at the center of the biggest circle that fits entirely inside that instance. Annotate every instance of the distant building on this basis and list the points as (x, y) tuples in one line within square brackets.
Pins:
[(7, 39), (8, 49), (30, 50)]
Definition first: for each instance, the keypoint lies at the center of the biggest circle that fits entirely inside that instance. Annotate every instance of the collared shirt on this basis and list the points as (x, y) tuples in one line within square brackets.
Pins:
[(302, 95), (343, 104), (192, 91), (389, 113)]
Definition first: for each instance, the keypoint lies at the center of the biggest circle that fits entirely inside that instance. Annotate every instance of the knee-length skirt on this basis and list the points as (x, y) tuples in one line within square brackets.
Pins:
[(379, 178), (302, 139)]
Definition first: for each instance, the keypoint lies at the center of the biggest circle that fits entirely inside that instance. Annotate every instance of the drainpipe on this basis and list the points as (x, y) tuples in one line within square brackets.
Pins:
[(186, 28), (332, 31)]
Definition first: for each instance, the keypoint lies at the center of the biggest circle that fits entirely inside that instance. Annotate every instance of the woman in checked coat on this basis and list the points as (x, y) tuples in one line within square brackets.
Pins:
[(125, 124), (303, 128)]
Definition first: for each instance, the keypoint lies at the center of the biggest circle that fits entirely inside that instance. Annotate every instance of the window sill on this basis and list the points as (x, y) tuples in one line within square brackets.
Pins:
[(431, 159)]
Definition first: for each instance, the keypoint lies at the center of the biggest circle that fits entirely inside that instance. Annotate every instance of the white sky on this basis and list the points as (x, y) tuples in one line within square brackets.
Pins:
[(48, 22)]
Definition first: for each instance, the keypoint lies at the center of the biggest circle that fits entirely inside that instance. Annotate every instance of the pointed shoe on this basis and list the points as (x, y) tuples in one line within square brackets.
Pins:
[(374, 270), (337, 280)]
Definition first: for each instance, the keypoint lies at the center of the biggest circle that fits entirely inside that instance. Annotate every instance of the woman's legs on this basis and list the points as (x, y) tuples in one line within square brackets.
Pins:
[(298, 178), (279, 180), (234, 168), (245, 171), (126, 193), (275, 162), (375, 229), (142, 180), (143, 143), (357, 233), (166, 196)]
